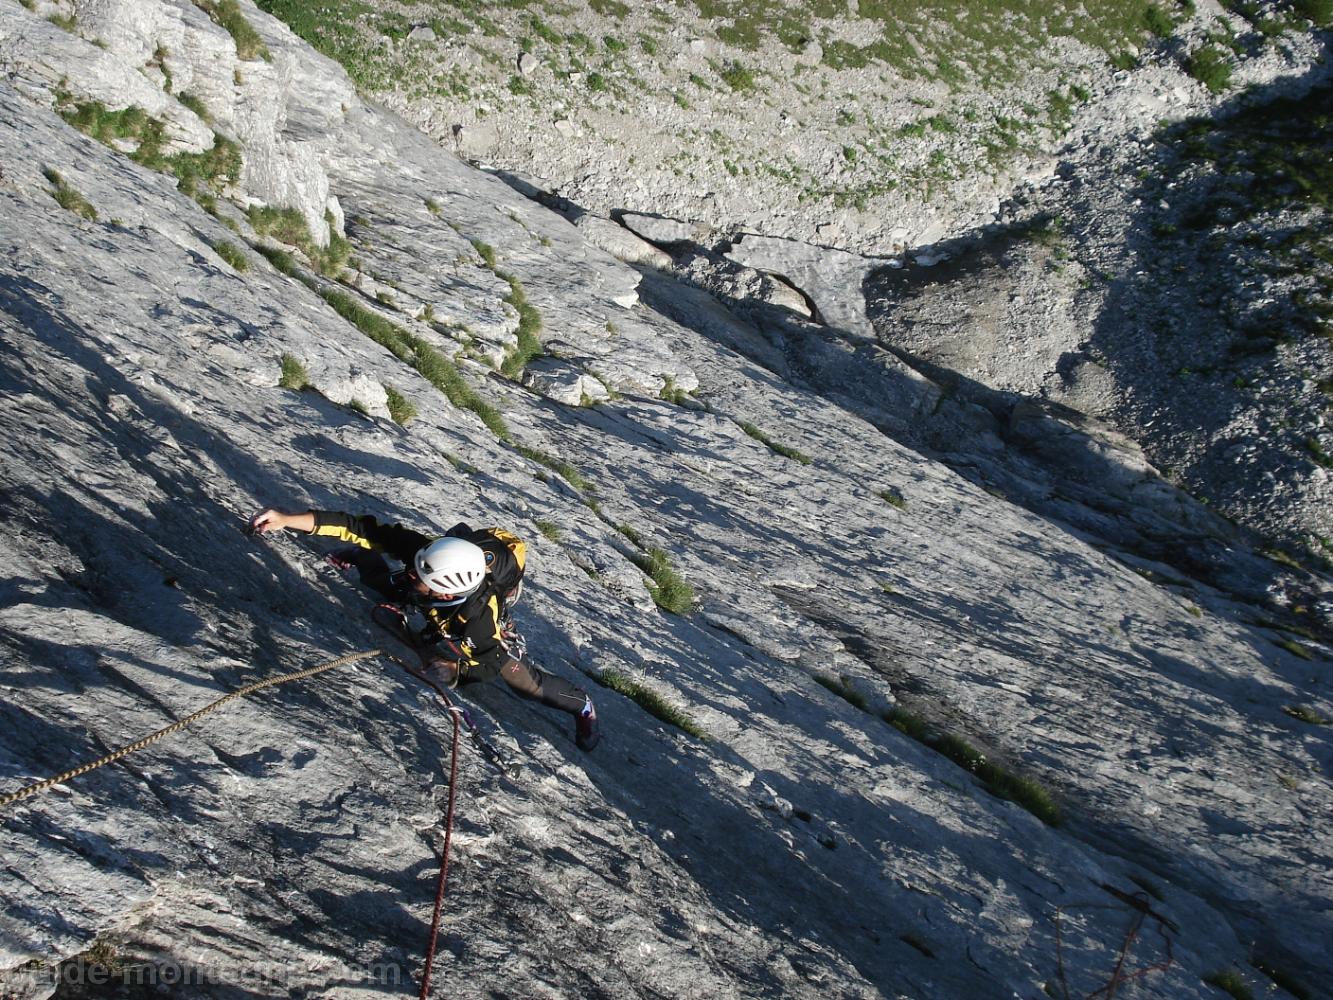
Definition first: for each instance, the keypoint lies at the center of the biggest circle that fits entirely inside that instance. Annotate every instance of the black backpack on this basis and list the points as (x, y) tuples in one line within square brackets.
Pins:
[(505, 552)]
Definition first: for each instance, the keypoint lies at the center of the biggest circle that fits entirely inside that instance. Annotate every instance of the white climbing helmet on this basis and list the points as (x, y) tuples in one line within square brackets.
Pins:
[(453, 566)]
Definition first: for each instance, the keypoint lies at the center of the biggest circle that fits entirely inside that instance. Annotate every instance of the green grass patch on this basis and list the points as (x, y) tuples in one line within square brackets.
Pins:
[(1318, 11), (565, 470), (596, 82), (1230, 981), (650, 701), (1306, 714), (1295, 648), (738, 77), (68, 198), (668, 588), (1024, 791), (840, 688), (1317, 451), (334, 29), (294, 375), (1158, 22), (673, 393), (201, 176), (893, 498), (227, 14), (529, 343), (781, 449), (1208, 64), (1282, 978), (549, 530), (400, 407), (288, 225), (1124, 60), (196, 105), (233, 255), (430, 363), (281, 260)]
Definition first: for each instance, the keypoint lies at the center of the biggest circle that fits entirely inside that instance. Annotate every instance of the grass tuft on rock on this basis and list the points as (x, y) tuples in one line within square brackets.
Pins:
[(67, 198), (430, 363), (1158, 21), (294, 374), (288, 225), (1318, 11), (201, 176), (564, 469), (1306, 714), (1208, 64), (1230, 981), (233, 255), (400, 407), (781, 449), (1024, 791), (839, 687), (651, 702), (529, 344), (227, 14), (668, 588)]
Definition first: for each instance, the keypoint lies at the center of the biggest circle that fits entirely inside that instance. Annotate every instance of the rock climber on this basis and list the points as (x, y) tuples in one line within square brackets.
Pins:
[(468, 636)]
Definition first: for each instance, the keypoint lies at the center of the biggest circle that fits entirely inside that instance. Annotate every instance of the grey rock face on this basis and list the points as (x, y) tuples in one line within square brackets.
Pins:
[(804, 847), (657, 229), (831, 279)]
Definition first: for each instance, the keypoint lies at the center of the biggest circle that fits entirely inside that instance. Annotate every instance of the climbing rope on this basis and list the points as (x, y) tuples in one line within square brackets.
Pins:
[(455, 714), (443, 880), (1139, 903), (41, 786)]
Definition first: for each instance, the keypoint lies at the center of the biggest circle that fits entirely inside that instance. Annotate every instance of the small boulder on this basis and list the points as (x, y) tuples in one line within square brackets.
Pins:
[(660, 229), (620, 243), (562, 382)]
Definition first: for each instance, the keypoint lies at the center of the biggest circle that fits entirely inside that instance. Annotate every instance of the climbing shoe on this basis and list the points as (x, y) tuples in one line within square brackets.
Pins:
[(587, 734)]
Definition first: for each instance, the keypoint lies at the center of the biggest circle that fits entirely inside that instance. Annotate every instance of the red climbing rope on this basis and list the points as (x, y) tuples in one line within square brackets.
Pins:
[(443, 882), (444, 862), (1139, 903)]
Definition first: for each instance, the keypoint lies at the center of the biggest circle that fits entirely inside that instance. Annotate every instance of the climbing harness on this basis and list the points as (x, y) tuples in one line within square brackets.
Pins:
[(460, 714), (1138, 902), (41, 786), (396, 625)]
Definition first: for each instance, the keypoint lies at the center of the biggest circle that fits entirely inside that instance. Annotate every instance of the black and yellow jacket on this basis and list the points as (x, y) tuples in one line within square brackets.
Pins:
[(473, 626)]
